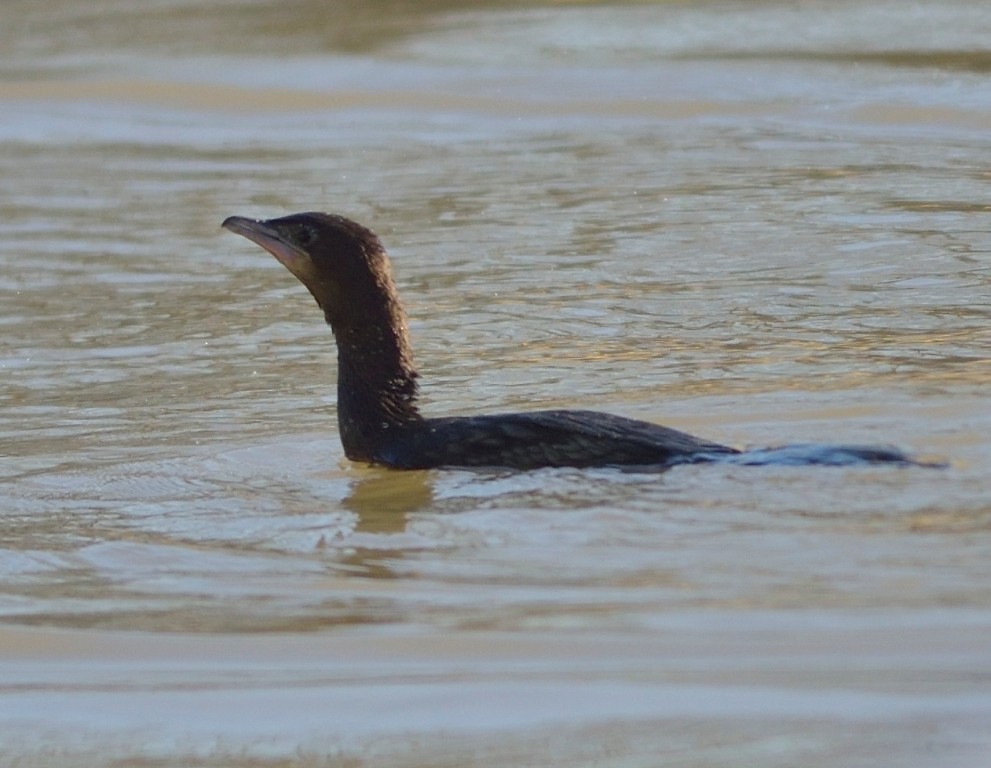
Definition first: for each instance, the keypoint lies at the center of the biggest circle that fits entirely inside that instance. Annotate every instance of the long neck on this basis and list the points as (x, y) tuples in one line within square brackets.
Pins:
[(376, 382)]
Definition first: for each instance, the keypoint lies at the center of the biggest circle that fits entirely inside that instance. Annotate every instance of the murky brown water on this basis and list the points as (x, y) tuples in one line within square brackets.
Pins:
[(758, 222)]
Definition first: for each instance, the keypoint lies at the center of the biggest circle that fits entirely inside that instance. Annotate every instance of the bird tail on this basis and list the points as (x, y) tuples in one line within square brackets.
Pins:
[(811, 454)]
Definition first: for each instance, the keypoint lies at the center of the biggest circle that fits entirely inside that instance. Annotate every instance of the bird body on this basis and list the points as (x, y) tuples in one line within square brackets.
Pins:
[(560, 438)]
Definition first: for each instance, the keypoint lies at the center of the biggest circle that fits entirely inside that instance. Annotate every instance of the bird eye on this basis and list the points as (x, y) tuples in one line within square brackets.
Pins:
[(305, 236)]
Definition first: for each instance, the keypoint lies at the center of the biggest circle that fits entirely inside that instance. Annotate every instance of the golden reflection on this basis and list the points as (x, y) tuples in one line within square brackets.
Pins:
[(382, 499)]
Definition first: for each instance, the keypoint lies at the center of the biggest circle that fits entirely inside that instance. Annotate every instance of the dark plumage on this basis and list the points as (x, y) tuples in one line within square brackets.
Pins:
[(345, 267), (542, 439)]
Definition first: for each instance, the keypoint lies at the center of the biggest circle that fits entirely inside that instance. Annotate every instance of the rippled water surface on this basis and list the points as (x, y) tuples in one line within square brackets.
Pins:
[(755, 221)]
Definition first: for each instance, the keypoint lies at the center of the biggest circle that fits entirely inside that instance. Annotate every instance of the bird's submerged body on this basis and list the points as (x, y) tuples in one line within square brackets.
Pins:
[(346, 269), (542, 439)]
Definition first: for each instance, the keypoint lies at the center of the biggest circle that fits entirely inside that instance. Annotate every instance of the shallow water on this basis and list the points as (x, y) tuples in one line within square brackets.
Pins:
[(756, 222)]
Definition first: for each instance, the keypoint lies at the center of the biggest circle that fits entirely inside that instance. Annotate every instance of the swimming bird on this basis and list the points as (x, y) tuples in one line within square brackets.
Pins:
[(345, 267)]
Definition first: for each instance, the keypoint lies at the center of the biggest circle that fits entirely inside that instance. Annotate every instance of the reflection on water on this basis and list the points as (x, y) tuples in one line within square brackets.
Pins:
[(382, 502), (756, 222)]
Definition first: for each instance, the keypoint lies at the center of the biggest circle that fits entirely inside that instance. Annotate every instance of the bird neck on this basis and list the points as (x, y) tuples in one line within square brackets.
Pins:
[(376, 386)]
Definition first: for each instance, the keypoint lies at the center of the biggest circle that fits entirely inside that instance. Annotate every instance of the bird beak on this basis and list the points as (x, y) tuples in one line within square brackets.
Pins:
[(268, 237)]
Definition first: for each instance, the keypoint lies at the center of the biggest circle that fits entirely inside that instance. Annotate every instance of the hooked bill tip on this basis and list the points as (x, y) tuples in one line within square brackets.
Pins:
[(238, 223)]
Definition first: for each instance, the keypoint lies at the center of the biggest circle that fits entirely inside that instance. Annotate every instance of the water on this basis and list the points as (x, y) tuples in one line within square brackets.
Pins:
[(757, 222)]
